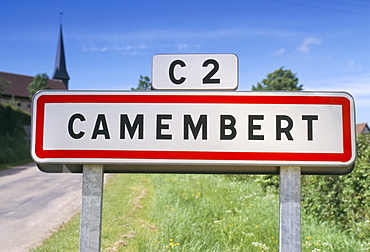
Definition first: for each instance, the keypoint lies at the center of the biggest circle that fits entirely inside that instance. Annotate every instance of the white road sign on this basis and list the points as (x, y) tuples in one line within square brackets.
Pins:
[(195, 72), (217, 131)]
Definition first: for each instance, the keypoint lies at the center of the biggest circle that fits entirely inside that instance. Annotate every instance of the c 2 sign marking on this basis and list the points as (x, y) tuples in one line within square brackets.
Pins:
[(206, 80), (195, 72)]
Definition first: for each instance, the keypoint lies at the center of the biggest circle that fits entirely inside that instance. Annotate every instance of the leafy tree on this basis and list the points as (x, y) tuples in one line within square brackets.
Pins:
[(144, 84), (280, 79), (39, 83)]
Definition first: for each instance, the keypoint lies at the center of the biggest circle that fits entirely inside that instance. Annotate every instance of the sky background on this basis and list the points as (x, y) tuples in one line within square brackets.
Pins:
[(109, 44)]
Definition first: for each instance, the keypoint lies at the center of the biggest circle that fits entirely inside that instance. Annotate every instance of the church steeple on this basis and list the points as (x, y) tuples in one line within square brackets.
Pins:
[(60, 70)]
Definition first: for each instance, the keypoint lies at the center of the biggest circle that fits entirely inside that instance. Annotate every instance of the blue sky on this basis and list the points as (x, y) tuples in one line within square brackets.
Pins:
[(109, 44)]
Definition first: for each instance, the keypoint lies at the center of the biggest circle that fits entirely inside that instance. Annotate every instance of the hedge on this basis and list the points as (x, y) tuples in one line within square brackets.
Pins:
[(14, 145), (342, 201)]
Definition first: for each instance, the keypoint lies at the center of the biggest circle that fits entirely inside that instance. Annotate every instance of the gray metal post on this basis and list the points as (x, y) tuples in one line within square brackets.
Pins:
[(91, 212), (290, 209)]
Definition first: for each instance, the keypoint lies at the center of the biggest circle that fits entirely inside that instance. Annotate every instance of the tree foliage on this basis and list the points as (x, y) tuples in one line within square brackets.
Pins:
[(280, 79), (342, 201), (14, 145), (39, 83), (4, 84), (144, 84)]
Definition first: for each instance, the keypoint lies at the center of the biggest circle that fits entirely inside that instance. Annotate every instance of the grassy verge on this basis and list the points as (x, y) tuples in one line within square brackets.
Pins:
[(194, 213), (127, 202), (212, 213)]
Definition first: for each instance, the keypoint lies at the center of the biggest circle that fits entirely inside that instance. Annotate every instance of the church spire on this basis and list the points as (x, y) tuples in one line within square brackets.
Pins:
[(60, 71)]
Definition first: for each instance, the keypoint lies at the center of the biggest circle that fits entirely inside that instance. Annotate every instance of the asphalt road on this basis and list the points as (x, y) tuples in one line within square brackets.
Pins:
[(33, 204)]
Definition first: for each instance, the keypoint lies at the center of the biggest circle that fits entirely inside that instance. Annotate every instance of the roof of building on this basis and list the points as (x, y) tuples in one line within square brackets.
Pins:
[(60, 71), (19, 84), (362, 128)]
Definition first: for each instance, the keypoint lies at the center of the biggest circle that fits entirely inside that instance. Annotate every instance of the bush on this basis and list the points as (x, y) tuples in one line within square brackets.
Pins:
[(14, 145), (342, 201)]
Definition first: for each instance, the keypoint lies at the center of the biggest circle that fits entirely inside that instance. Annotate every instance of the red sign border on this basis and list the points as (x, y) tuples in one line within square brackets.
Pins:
[(169, 98)]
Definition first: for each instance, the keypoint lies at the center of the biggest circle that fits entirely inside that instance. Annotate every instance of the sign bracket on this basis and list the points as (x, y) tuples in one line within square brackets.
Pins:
[(290, 208)]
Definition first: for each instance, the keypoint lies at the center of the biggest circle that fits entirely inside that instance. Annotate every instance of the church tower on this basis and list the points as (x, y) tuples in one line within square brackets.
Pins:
[(60, 70)]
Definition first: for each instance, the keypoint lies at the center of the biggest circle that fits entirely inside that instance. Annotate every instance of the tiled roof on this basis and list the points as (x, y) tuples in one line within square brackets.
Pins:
[(19, 84), (361, 128)]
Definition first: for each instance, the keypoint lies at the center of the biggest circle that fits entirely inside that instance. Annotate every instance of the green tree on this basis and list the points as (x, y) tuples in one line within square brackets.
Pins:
[(280, 79), (4, 84), (39, 83), (144, 84)]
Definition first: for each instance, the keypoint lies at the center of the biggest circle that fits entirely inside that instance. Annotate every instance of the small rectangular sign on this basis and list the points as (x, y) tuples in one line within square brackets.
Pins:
[(195, 72), (201, 132)]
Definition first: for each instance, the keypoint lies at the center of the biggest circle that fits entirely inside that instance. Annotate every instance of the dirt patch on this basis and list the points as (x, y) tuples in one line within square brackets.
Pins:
[(148, 226), (122, 243), (143, 194), (136, 205)]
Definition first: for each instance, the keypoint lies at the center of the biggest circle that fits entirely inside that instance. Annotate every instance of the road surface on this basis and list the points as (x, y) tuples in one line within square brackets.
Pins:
[(33, 204)]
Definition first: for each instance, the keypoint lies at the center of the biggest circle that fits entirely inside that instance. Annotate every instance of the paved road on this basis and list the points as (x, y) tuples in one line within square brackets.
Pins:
[(33, 204)]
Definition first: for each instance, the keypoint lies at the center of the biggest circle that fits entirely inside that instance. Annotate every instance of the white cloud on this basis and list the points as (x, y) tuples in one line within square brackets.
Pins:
[(359, 87), (87, 48), (355, 66), (307, 43), (145, 35), (182, 47), (172, 40), (96, 49), (280, 52)]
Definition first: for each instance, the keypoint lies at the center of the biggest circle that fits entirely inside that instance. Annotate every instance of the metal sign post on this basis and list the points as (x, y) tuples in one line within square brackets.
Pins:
[(290, 208), (91, 210)]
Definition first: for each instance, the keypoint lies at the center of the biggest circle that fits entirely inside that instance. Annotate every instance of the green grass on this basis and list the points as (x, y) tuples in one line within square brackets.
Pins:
[(212, 213), (195, 213), (127, 201)]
